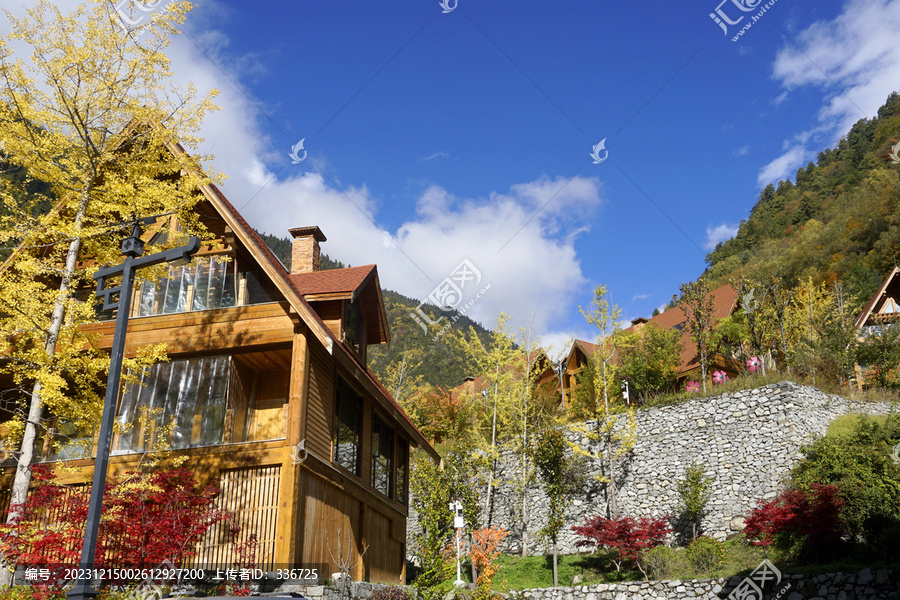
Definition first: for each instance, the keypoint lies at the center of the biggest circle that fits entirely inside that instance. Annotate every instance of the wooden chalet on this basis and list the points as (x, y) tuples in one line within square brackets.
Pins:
[(726, 302), (880, 312), (267, 394), (543, 377)]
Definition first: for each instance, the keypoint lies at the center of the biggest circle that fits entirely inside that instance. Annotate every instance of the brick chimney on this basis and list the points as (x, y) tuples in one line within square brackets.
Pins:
[(305, 249)]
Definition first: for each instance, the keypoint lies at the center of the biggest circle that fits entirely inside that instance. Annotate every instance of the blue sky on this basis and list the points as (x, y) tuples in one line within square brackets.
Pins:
[(435, 137)]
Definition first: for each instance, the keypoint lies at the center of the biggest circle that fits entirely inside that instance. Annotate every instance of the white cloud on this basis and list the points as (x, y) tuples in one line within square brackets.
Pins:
[(439, 154), (521, 240), (742, 151), (640, 297), (854, 59), (719, 233), (782, 167)]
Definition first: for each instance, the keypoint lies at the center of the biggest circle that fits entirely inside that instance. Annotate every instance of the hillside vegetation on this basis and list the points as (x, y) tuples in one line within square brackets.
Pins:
[(839, 219)]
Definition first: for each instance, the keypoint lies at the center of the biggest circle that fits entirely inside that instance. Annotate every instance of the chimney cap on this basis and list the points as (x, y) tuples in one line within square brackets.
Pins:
[(639, 321), (313, 231)]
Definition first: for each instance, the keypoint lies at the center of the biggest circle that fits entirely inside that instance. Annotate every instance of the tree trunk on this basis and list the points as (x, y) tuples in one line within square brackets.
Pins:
[(487, 495), (555, 569), (22, 479)]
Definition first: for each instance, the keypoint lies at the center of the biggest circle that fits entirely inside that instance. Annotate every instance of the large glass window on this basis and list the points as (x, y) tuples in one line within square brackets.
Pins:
[(201, 402), (348, 413), (177, 404), (204, 284), (382, 456)]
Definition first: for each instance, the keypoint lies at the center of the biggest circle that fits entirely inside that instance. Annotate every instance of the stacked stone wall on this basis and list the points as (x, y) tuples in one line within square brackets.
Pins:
[(748, 442)]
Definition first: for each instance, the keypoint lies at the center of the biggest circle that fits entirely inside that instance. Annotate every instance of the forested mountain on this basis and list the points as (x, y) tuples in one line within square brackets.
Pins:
[(434, 362), (838, 221)]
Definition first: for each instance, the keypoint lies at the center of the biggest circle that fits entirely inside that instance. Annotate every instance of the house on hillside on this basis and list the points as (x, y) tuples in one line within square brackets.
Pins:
[(726, 302), (880, 312), (267, 394), (543, 377)]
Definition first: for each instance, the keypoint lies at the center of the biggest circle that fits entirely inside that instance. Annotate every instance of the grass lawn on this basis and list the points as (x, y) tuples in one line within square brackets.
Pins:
[(517, 573), (846, 424)]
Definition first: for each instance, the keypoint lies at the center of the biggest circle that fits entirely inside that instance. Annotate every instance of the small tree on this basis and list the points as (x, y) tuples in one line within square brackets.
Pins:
[(698, 306), (431, 491), (483, 554), (549, 455), (627, 537), (694, 491), (798, 521), (615, 436), (649, 360)]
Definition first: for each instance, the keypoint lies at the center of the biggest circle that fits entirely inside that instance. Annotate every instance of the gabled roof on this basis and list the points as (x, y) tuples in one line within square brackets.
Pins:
[(351, 283), (725, 302), (342, 283), (891, 281)]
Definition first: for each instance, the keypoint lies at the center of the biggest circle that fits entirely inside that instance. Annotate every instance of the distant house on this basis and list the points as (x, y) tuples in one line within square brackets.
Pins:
[(725, 303), (543, 377), (880, 312), (266, 394)]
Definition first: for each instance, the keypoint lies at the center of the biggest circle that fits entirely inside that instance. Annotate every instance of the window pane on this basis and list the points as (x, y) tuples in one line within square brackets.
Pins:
[(184, 398), (349, 419), (382, 456), (402, 469)]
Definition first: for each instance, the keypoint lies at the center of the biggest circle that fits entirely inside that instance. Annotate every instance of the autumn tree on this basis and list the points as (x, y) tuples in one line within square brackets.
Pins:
[(91, 114), (510, 412), (614, 427), (698, 306), (553, 464), (649, 360)]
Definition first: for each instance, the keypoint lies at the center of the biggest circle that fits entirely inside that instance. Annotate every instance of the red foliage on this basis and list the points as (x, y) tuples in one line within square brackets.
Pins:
[(147, 519), (815, 515), (627, 537)]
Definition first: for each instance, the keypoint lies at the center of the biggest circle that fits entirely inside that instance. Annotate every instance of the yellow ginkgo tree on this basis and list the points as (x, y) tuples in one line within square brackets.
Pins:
[(90, 119)]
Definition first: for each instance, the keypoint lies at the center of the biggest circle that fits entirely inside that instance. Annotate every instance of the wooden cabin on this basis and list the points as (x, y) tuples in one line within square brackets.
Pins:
[(880, 312), (267, 394), (725, 301), (544, 379)]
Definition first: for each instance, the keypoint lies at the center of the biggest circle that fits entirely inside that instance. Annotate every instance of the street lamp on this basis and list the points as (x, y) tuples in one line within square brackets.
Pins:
[(459, 522), (133, 249)]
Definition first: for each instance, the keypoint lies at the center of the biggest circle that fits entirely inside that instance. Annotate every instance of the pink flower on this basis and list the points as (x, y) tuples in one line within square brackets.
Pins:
[(753, 363), (693, 386), (720, 377)]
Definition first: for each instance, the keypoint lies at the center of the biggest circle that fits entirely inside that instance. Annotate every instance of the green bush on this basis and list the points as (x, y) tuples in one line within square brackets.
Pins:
[(859, 462), (705, 553), (661, 562)]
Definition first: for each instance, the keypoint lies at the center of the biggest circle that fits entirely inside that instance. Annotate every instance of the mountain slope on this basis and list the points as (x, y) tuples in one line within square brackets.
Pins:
[(839, 219)]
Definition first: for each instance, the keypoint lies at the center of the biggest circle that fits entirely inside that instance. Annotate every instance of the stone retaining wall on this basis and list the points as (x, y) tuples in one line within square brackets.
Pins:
[(748, 441)]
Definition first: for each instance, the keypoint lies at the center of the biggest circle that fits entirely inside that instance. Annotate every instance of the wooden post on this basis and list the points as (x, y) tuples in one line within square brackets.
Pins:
[(288, 540)]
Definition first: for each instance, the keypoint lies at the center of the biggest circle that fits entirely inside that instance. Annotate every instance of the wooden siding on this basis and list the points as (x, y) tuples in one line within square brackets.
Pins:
[(331, 515), (251, 496), (321, 403), (386, 553), (331, 312), (203, 331)]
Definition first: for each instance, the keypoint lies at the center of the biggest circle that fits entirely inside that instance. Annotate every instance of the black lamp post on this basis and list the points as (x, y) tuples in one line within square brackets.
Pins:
[(133, 249)]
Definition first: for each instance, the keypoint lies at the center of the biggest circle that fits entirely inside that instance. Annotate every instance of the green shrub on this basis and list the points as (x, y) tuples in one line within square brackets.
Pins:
[(705, 553), (661, 562)]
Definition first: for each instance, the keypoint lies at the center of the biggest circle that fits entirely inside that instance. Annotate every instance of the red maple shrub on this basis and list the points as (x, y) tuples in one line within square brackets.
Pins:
[(627, 537), (798, 520), (147, 518)]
